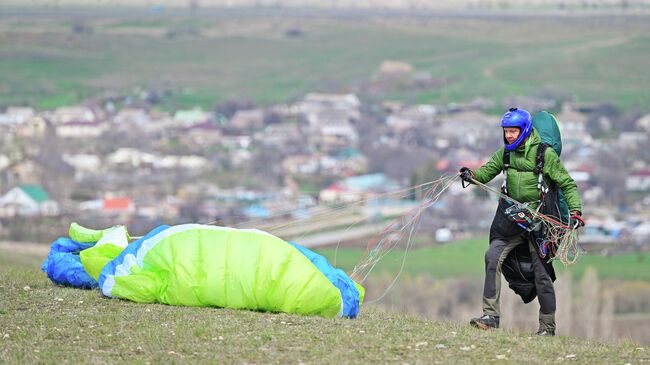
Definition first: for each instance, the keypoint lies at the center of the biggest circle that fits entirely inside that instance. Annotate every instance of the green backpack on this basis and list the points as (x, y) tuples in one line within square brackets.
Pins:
[(549, 131)]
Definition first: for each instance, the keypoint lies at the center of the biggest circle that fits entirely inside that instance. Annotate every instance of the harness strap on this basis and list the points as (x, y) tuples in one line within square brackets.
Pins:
[(506, 166), (539, 168)]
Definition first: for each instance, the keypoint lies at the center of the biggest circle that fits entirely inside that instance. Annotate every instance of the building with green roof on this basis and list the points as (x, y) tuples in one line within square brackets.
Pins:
[(27, 200)]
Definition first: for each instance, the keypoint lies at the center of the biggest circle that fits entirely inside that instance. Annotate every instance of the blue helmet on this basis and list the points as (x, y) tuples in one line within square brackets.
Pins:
[(517, 118)]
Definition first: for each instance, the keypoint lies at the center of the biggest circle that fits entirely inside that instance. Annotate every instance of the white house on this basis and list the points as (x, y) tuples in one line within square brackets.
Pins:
[(336, 137), (632, 140), (191, 162), (190, 117), (136, 116), (66, 114), (76, 129), (279, 135), (336, 101), (4, 162), (638, 181), (235, 142), (202, 134), (16, 115), (83, 164), (33, 127), (572, 121), (130, 157), (301, 164), (643, 123), (247, 119), (27, 200)]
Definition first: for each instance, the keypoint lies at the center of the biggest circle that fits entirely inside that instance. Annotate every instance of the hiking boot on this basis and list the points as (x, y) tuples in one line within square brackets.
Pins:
[(545, 332), (486, 322)]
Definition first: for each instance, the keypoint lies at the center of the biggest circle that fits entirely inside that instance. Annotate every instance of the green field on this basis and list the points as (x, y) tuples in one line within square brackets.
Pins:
[(465, 259), (44, 323), (247, 55)]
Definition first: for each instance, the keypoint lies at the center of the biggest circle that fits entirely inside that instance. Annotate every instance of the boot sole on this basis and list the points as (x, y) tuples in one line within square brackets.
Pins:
[(480, 325)]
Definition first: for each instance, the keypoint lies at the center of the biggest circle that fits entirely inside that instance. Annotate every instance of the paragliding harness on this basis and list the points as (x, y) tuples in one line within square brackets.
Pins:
[(514, 219), (519, 213)]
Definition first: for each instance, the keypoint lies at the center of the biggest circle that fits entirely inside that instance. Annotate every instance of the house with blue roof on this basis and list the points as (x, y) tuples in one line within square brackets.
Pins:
[(27, 200), (356, 188)]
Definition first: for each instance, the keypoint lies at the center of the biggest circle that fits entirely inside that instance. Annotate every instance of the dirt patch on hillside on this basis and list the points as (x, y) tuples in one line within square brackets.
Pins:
[(29, 248)]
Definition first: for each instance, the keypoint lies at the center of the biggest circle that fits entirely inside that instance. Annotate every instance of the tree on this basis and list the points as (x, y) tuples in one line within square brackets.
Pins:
[(272, 118), (229, 107), (610, 173), (266, 163), (79, 26)]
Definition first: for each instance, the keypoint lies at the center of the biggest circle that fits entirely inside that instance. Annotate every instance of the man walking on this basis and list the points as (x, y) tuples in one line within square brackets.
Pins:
[(524, 182)]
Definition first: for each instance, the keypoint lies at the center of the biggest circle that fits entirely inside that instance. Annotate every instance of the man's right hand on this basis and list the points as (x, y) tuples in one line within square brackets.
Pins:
[(576, 221), (466, 174)]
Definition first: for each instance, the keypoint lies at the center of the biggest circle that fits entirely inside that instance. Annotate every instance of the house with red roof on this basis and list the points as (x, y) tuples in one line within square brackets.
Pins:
[(113, 205), (118, 205), (638, 180), (356, 188)]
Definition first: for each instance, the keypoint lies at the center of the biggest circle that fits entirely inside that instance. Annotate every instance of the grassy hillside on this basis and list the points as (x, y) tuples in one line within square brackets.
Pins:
[(243, 54), (43, 323)]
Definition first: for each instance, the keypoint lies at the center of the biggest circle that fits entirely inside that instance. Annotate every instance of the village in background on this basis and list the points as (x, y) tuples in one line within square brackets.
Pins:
[(117, 160), (135, 156)]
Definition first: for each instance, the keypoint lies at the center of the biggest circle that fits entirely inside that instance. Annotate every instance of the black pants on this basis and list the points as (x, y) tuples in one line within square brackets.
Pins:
[(494, 258)]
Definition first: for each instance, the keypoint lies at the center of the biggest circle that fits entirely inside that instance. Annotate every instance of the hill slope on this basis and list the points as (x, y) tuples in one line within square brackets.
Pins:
[(45, 64), (40, 322)]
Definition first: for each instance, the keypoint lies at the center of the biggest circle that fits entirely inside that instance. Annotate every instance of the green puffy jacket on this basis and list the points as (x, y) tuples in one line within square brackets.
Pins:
[(521, 178)]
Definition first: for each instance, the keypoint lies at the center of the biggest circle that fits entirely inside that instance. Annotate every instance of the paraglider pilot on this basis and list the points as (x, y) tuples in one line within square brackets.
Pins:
[(513, 245)]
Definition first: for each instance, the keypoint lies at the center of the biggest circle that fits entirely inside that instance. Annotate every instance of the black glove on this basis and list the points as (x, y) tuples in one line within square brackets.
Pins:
[(576, 221), (466, 174)]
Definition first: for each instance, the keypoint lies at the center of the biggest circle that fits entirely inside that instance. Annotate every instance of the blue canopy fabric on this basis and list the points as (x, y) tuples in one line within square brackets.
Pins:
[(338, 278), (63, 265)]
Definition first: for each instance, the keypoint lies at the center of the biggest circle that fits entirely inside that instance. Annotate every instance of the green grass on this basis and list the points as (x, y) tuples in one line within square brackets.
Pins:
[(465, 259), (250, 56), (188, 100), (53, 101), (47, 324), (139, 23)]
